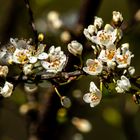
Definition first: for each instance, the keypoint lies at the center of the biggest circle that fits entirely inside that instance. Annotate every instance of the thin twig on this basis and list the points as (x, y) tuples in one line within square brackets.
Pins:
[(32, 21)]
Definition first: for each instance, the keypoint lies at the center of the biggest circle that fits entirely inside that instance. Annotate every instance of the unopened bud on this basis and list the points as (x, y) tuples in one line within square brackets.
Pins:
[(3, 71), (65, 101), (131, 70), (117, 17), (98, 22), (75, 48), (27, 69), (40, 37)]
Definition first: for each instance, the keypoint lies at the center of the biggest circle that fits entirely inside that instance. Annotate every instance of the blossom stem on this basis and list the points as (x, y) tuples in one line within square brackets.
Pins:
[(56, 90), (101, 85), (81, 61)]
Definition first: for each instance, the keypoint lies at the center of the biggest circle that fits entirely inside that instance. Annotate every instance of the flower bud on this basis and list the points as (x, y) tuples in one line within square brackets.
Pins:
[(65, 101), (131, 70), (40, 37), (6, 91), (75, 48), (117, 17), (27, 69), (98, 22), (3, 71)]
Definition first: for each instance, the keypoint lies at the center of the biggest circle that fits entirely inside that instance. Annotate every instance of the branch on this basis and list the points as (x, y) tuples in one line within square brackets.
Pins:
[(46, 76), (32, 21)]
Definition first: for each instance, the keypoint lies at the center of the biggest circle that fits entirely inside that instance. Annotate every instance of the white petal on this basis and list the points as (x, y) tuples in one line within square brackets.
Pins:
[(32, 59), (89, 62), (51, 50), (119, 90), (45, 64), (94, 103), (43, 56), (87, 98), (58, 49), (93, 87), (102, 55), (108, 28)]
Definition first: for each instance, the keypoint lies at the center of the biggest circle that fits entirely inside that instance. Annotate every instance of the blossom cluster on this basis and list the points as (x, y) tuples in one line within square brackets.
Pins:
[(110, 57), (111, 61), (23, 54)]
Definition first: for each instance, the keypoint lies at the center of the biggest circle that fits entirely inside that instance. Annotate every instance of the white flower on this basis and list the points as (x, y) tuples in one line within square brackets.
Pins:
[(98, 22), (117, 17), (21, 56), (75, 48), (108, 56), (27, 69), (105, 37), (3, 71), (6, 91), (56, 60), (94, 67), (123, 57), (123, 84), (94, 96), (90, 31)]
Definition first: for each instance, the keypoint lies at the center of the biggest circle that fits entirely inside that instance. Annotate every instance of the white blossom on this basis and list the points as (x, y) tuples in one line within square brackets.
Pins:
[(105, 37), (21, 56), (123, 84), (6, 91), (117, 17), (123, 57), (108, 56), (98, 22), (75, 48), (56, 60), (94, 67), (94, 96), (90, 31)]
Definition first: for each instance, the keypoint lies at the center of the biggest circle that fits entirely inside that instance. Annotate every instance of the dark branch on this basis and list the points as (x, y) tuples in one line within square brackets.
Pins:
[(46, 76), (32, 21)]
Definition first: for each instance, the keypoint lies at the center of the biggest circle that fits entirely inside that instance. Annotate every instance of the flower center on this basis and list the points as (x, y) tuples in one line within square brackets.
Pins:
[(104, 36), (94, 97), (93, 67), (123, 59), (110, 54), (22, 57), (55, 63)]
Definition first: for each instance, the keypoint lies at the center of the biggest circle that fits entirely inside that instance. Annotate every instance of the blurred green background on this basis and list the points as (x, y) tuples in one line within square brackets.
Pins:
[(114, 118)]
